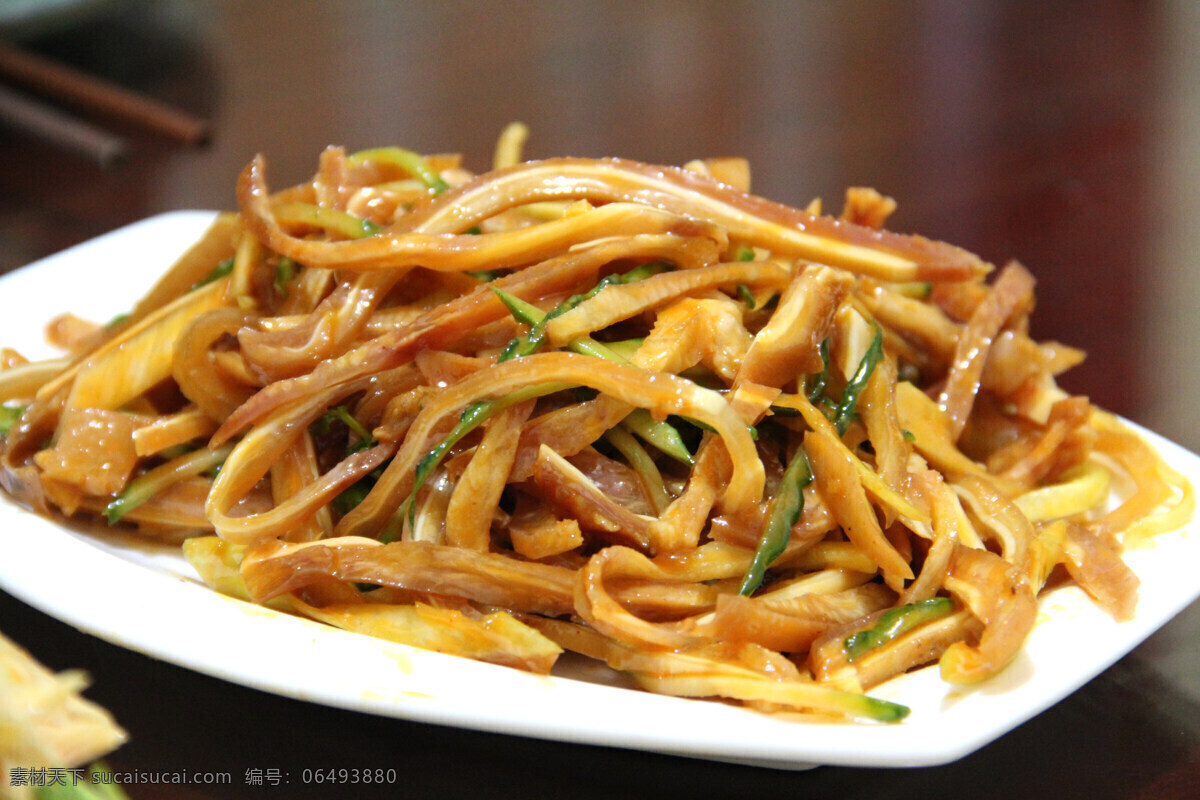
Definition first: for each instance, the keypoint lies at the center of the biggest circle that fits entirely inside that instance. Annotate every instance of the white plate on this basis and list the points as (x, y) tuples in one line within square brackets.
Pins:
[(148, 599)]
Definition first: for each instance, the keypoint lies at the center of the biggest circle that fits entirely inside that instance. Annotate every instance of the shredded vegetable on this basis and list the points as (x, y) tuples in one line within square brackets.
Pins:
[(728, 447)]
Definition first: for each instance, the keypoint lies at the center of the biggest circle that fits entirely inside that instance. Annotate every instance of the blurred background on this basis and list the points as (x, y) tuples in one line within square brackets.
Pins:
[(1065, 135)]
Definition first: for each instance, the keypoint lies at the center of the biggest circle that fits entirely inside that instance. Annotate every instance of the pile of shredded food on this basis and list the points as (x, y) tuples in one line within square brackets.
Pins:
[(728, 447)]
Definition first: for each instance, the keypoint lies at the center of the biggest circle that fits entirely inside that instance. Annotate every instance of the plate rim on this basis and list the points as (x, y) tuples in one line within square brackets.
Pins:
[(745, 736)]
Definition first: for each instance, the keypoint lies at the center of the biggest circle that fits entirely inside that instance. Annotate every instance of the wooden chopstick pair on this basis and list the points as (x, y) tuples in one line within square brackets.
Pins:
[(80, 90)]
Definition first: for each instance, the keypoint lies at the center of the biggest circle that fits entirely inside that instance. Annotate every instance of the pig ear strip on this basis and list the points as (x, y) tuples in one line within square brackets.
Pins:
[(731, 448)]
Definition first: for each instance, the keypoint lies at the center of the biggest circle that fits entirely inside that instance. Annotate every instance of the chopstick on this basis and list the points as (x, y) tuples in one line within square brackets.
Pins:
[(51, 125), (104, 99)]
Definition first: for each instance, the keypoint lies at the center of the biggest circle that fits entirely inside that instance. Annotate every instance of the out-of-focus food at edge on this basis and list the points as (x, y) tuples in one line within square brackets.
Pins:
[(47, 725)]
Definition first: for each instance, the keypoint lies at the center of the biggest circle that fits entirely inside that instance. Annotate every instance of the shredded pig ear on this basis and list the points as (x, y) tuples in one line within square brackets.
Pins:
[(837, 480), (730, 448), (660, 393), (997, 595), (622, 302), (780, 229), (140, 357), (788, 344), (1011, 294), (495, 637), (389, 249)]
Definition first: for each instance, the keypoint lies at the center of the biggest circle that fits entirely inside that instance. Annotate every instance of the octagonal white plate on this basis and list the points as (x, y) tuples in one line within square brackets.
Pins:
[(147, 598)]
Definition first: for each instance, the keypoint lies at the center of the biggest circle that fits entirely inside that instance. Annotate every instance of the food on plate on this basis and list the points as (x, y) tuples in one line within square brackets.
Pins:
[(728, 447), (46, 723)]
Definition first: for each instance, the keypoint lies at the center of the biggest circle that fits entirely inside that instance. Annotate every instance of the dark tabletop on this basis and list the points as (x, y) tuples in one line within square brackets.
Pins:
[(1059, 134)]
